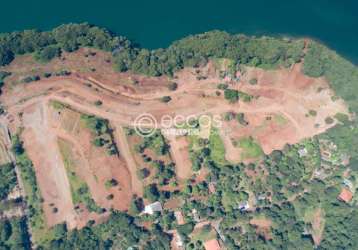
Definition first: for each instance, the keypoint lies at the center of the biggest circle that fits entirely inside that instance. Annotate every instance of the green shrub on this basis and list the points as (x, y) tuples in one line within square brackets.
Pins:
[(47, 54), (222, 86), (98, 103), (329, 120), (29, 79), (312, 112), (8, 179), (253, 81), (343, 118), (244, 96), (111, 183), (231, 95), (165, 99), (241, 119), (172, 86)]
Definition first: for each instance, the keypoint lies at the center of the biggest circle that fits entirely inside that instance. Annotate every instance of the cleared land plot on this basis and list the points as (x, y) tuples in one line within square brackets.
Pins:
[(41, 146), (105, 173), (4, 146), (179, 149), (4, 156)]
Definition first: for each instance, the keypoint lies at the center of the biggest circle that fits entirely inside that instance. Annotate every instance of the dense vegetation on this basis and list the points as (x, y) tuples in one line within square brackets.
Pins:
[(7, 179), (341, 74), (191, 51), (33, 196), (47, 45), (14, 234), (119, 232), (196, 50)]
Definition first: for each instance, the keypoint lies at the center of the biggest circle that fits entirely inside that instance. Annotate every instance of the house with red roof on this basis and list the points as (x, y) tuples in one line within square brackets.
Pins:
[(345, 195)]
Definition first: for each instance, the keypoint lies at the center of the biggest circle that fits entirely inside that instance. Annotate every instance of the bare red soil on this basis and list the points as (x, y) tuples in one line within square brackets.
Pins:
[(278, 114)]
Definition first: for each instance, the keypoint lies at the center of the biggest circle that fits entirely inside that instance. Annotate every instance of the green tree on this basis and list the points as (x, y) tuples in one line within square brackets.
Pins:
[(231, 95)]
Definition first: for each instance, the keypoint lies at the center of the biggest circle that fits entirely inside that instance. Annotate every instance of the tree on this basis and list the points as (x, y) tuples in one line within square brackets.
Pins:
[(143, 173), (8, 179), (48, 53), (6, 56), (172, 86), (231, 95), (98, 142), (5, 230), (111, 183), (60, 230), (165, 99), (136, 205), (151, 192)]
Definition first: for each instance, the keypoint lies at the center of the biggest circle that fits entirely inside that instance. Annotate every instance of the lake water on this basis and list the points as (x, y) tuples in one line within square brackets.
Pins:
[(156, 23)]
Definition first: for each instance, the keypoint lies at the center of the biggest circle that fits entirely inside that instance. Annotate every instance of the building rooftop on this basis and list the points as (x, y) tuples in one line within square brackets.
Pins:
[(345, 195), (154, 207)]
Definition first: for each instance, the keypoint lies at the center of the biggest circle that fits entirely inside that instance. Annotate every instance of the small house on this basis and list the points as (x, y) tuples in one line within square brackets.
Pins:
[(152, 208), (345, 195)]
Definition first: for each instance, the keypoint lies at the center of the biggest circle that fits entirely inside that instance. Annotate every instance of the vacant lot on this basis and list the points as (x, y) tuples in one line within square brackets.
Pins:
[(41, 146), (283, 106), (4, 155), (179, 149), (105, 174)]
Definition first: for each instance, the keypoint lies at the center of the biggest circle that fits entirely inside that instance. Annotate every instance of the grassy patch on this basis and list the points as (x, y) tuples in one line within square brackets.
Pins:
[(250, 148), (75, 182), (342, 118), (245, 97), (217, 147), (79, 188), (58, 105), (204, 234), (155, 142), (280, 119)]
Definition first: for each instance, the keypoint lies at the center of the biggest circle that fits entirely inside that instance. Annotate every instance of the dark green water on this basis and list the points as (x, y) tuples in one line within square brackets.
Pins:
[(156, 23)]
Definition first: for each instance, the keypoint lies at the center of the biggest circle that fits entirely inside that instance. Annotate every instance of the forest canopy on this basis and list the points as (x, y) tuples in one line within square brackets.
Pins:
[(266, 52)]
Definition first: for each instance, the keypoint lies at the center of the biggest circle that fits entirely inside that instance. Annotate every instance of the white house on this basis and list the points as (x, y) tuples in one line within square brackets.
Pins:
[(152, 208)]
